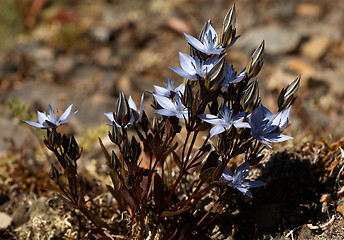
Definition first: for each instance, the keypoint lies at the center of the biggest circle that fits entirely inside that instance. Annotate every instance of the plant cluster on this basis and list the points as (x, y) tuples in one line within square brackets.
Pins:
[(160, 183)]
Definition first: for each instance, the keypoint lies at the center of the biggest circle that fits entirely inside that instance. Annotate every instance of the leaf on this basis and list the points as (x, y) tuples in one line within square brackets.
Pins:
[(206, 175), (194, 163), (116, 194), (170, 214), (129, 199), (158, 193), (106, 154)]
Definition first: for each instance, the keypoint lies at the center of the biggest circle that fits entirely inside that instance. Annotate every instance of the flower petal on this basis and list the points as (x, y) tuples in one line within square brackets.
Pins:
[(252, 184), (165, 102), (165, 112), (209, 118), (34, 124), (195, 43), (183, 73), (187, 62), (66, 113), (217, 130)]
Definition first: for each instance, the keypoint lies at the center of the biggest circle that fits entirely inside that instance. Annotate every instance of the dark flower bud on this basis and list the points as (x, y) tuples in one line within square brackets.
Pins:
[(217, 73), (122, 112), (256, 62), (228, 28), (287, 95), (53, 140), (251, 99), (135, 149), (54, 173), (114, 162), (145, 123), (73, 152), (214, 108), (188, 97), (115, 135), (126, 150), (130, 182)]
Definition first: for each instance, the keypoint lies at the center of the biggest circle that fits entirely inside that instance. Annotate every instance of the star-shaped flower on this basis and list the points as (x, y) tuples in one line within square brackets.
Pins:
[(224, 121), (134, 113), (194, 69), (169, 91), (50, 121), (171, 108), (238, 179), (267, 127), (230, 76), (209, 41)]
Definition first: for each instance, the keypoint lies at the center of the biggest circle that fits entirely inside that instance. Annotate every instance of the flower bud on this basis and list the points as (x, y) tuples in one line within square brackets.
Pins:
[(228, 28), (251, 99), (287, 95), (53, 140), (54, 173), (256, 62), (135, 149), (122, 112), (115, 135)]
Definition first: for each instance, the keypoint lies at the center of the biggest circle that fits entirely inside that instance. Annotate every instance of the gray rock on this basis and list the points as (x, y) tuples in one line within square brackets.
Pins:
[(5, 220), (278, 40)]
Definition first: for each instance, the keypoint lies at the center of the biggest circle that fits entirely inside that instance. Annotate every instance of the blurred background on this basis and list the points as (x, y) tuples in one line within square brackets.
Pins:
[(85, 52)]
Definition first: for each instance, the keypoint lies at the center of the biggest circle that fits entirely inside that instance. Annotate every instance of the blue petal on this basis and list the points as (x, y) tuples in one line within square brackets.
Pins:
[(212, 119), (165, 112), (195, 43), (183, 73), (66, 113), (276, 137), (244, 191), (252, 184), (187, 62), (34, 124), (217, 130), (165, 102), (241, 125)]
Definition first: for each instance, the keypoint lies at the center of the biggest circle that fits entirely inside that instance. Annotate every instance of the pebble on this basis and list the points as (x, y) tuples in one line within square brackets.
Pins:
[(5, 220), (316, 47), (278, 40)]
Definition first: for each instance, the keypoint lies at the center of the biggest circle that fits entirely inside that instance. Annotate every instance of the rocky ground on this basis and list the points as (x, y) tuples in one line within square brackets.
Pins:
[(85, 52)]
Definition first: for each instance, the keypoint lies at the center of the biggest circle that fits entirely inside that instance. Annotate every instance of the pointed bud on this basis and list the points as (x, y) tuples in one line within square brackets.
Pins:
[(251, 99), (54, 173), (217, 73), (228, 28), (115, 135), (145, 123), (287, 95), (122, 112), (135, 149), (72, 150), (114, 163), (188, 97), (256, 62), (53, 140)]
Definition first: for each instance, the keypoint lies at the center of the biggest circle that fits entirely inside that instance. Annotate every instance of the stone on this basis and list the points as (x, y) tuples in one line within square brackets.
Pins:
[(316, 47), (300, 66), (309, 10), (278, 40), (5, 220)]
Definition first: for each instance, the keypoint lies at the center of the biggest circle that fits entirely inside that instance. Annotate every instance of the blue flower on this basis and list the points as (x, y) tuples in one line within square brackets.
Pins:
[(171, 108), (134, 113), (194, 69), (238, 179), (230, 76), (50, 121), (224, 121), (209, 41), (267, 127), (169, 91)]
